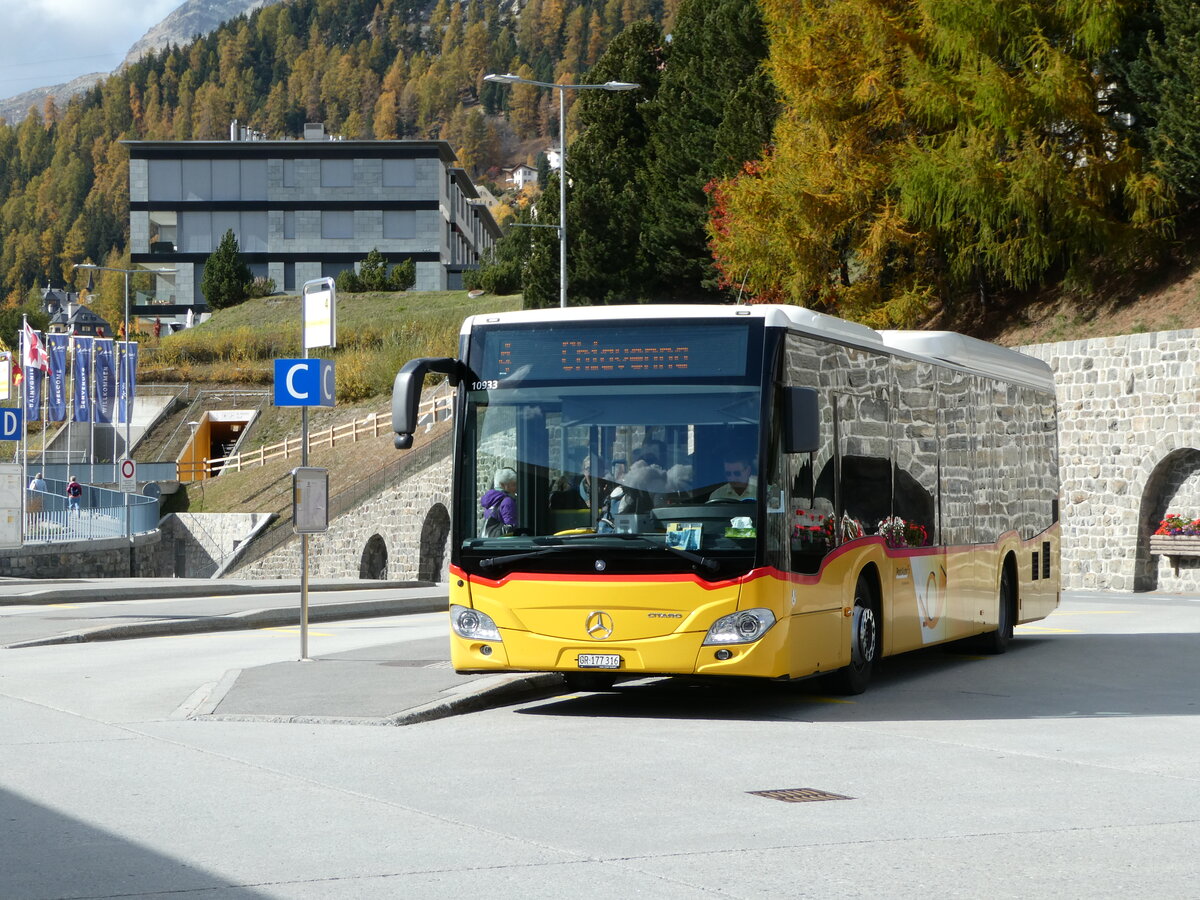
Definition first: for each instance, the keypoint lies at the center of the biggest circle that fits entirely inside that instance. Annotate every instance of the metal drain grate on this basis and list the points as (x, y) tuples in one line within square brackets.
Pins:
[(799, 795)]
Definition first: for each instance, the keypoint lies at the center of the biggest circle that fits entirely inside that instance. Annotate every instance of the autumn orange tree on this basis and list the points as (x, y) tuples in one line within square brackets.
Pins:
[(930, 146)]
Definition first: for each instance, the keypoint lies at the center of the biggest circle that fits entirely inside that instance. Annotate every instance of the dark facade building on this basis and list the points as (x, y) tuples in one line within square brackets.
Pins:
[(302, 210)]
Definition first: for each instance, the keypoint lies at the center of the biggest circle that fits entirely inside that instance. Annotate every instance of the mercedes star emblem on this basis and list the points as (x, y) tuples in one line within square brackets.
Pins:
[(599, 625)]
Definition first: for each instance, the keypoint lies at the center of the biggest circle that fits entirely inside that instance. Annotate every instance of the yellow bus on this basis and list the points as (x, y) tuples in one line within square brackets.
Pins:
[(758, 491)]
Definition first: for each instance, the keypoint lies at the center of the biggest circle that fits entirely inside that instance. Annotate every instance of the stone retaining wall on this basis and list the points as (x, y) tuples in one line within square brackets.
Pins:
[(1129, 408), (109, 558), (399, 534)]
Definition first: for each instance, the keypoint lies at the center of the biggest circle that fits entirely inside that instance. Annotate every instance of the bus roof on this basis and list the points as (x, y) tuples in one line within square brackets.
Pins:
[(944, 347)]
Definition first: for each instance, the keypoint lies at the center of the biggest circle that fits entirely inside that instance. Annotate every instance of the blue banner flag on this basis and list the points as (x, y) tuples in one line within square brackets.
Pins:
[(105, 369), (31, 393), (56, 390), (128, 355), (83, 379)]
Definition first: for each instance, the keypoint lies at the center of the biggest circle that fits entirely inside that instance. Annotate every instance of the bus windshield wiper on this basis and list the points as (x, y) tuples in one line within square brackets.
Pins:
[(493, 561), (704, 562)]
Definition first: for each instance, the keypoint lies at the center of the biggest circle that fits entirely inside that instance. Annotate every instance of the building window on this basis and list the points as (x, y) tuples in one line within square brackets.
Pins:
[(399, 224), (254, 179), (289, 173), (289, 224), (164, 179), (337, 224), (223, 221), (195, 232), (227, 180), (332, 270), (399, 173), (197, 179), (252, 236), (289, 276), (337, 173)]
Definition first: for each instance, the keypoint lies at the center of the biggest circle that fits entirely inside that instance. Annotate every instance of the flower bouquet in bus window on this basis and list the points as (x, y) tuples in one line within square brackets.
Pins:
[(808, 532), (839, 531), (903, 534)]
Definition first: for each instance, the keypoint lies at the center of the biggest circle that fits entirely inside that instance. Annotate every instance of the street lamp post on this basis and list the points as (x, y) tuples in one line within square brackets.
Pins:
[(128, 375), (562, 155)]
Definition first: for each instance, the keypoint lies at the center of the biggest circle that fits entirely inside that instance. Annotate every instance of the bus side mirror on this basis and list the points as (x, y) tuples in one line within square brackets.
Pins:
[(406, 394), (801, 420)]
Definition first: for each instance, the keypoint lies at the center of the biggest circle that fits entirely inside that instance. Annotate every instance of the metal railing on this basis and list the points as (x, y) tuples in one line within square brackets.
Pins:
[(50, 518), (102, 472)]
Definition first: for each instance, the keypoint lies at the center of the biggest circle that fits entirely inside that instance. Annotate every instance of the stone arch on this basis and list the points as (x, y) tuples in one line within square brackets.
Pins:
[(374, 562), (1176, 476), (434, 533)]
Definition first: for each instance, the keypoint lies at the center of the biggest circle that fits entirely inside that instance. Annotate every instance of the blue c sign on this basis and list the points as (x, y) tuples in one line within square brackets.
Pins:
[(304, 382)]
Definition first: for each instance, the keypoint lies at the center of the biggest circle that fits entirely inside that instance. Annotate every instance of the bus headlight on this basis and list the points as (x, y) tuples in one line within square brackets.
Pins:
[(473, 625), (740, 627)]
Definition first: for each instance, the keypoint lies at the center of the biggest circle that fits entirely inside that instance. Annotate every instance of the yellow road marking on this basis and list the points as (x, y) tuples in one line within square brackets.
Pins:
[(63, 605), (813, 698)]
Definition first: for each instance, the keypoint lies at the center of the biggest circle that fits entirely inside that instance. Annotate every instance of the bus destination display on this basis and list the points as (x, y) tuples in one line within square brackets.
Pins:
[(621, 351)]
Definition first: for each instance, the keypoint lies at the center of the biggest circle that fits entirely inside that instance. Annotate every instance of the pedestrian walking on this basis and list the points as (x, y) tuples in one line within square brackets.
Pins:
[(37, 485), (74, 492)]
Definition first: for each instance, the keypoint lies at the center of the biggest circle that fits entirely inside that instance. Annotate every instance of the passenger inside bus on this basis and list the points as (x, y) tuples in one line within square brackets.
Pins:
[(500, 505)]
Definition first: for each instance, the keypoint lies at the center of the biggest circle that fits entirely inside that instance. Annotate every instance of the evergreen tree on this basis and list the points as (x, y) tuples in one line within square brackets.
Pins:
[(605, 204), (714, 111), (539, 266), (225, 275), (1169, 73)]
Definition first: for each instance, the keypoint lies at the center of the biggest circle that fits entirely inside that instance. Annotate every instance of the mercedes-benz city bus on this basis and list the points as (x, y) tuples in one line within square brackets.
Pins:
[(757, 491)]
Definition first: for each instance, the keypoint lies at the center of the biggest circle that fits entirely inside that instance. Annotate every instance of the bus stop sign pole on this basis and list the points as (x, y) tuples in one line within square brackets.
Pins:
[(318, 328)]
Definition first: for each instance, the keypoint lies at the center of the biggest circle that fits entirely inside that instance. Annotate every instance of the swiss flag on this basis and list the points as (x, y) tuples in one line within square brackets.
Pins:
[(35, 355)]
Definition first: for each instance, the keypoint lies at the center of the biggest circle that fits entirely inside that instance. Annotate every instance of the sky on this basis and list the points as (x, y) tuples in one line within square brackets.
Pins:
[(52, 41)]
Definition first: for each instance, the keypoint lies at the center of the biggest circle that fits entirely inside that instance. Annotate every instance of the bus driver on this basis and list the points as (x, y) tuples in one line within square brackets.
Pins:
[(742, 485)]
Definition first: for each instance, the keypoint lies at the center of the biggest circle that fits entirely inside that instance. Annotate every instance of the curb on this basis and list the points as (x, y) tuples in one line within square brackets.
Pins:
[(488, 692), (242, 621), (100, 594)]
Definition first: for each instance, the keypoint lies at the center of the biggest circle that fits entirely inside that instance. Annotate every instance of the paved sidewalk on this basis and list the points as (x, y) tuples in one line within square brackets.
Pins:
[(391, 684)]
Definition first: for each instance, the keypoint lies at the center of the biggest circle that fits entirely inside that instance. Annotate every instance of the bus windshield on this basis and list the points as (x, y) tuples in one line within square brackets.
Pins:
[(571, 463)]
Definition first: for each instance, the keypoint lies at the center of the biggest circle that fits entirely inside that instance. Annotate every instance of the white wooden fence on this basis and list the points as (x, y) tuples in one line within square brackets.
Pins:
[(429, 413)]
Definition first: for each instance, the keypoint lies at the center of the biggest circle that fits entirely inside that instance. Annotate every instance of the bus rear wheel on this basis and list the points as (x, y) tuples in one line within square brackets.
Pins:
[(997, 641), (864, 640)]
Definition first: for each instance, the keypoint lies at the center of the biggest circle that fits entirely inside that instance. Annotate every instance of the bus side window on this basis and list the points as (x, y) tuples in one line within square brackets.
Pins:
[(810, 535)]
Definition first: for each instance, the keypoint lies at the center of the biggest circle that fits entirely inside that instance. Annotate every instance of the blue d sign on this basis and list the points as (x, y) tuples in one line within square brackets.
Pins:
[(304, 382), (11, 420)]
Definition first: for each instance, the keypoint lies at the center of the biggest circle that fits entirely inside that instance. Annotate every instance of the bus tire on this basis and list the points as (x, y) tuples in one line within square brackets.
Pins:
[(996, 642), (864, 640)]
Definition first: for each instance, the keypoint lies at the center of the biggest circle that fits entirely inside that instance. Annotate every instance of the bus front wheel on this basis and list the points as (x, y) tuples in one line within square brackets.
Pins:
[(864, 640)]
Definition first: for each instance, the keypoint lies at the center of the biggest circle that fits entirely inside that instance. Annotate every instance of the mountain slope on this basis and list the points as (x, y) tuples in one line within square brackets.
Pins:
[(191, 18)]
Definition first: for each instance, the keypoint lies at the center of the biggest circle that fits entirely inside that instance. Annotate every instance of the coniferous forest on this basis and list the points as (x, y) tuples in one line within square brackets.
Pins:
[(871, 158)]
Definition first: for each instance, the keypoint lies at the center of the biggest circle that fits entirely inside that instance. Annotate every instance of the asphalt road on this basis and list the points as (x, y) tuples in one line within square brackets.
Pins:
[(90, 611), (1064, 768)]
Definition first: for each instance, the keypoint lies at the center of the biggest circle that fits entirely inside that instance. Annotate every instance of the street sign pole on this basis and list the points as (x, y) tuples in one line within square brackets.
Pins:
[(318, 308)]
